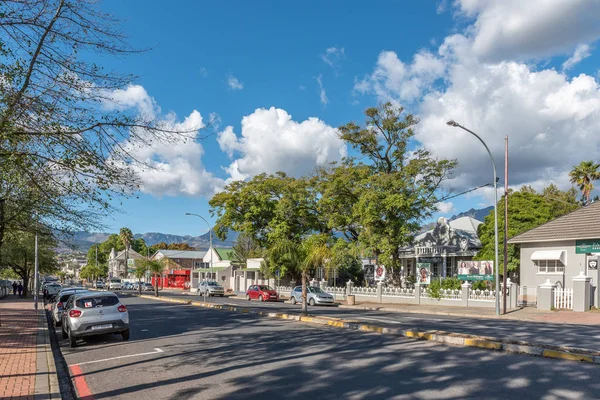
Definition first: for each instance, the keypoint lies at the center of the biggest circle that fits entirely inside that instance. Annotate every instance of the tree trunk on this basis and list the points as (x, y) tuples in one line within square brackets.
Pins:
[(25, 283), (2, 223), (156, 286), (140, 285), (304, 302)]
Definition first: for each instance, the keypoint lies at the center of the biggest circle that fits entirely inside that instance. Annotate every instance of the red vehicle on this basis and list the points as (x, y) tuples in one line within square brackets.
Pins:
[(262, 293)]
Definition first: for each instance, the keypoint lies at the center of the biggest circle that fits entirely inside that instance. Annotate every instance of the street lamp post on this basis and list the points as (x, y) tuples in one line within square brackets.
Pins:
[(457, 125), (210, 248)]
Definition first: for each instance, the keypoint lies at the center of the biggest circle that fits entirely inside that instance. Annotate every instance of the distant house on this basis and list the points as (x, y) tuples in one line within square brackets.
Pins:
[(251, 275), (560, 249), (444, 247), (119, 266), (179, 265), (221, 270)]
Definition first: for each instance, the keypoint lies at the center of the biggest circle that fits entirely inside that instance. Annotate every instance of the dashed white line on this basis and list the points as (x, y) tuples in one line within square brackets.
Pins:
[(156, 351)]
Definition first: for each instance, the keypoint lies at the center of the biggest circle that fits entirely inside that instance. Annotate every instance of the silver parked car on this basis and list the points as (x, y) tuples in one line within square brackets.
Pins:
[(314, 295), (211, 288), (94, 313), (61, 299)]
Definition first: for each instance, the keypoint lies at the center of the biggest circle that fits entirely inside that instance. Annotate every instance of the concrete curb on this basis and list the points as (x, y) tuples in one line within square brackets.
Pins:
[(450, 314), (46, 380), (458, 339)]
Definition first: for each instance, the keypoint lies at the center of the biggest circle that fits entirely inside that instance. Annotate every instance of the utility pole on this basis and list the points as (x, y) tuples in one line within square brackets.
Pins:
[(504, 275)]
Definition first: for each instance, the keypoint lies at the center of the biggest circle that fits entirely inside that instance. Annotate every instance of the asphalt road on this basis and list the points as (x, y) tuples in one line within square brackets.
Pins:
[(212, 354), (583, 336)]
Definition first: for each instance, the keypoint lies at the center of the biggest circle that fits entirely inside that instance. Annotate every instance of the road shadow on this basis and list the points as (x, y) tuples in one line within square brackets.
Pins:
[(217, 354)]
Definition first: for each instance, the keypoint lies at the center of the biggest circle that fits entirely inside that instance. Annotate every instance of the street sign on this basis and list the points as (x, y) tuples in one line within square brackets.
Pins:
[(277, 273), (130, 262), (587, 246)]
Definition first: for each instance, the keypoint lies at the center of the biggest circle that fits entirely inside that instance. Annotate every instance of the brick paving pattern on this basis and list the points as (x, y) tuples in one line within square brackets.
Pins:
[(18, 351)]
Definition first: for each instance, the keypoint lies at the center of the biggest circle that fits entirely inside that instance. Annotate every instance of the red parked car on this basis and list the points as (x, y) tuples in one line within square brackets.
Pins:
[(262, 293)]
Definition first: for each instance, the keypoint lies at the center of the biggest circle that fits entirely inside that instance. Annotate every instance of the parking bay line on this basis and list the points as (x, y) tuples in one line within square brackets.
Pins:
[(156, 351)]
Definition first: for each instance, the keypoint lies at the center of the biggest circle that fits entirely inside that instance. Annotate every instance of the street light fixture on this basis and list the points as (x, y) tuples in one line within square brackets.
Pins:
[(457, 125), (211, 249)]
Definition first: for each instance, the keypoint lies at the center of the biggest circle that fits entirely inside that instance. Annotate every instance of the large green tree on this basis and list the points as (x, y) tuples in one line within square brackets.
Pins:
[(19, 254), (583, 175), (527, 209), (400, 188), (66, 142)]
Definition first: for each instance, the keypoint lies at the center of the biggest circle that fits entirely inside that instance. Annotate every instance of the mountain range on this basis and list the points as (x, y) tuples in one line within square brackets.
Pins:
[(82, 241)]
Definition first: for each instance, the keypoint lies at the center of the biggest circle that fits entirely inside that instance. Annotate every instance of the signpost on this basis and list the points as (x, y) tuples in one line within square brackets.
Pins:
[(587, 246), (476, 271), (278, 274)]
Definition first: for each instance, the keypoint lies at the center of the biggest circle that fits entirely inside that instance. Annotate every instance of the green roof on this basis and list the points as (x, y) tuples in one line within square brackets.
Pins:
[(225, 254), (215, 269)]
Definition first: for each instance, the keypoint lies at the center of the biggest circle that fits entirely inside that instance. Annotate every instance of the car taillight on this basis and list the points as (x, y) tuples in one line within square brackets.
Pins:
[(59, 304), (74, 313), (122, 308)]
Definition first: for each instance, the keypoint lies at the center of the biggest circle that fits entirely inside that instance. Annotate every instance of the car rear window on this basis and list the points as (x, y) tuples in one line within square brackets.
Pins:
[(97, 301)]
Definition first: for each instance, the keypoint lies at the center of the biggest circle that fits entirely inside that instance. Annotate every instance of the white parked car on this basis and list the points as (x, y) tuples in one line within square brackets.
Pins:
[(314, 296), (114, 284)]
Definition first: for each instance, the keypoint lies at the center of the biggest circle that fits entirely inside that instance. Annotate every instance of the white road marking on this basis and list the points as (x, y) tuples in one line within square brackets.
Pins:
[(381, 320), (144, 330), (156, 351)]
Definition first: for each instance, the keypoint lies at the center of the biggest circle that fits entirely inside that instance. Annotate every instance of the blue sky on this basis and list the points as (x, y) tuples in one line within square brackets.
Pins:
[(499, 67)]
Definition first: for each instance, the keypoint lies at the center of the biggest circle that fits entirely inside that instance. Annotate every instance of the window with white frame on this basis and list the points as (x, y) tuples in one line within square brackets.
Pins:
[(549, 267)]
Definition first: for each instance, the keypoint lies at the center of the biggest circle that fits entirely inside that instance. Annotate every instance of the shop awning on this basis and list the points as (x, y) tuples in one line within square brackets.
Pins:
[(215, 269), (555, 255)]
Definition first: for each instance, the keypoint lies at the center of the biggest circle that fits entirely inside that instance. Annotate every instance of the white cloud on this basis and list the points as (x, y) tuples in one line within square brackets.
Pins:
[(234, 83), (517, 29), (581, 52), (165, 164), (203, 72), (441, 6), (322, 94), (272, 141), (551, 121), (133, 97), (333, 56), (446, 207), (173, 166), (393, 80), (550, 118)]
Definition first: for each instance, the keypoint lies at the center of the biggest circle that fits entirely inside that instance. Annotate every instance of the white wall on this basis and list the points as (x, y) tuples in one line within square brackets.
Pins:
[(529, 276)]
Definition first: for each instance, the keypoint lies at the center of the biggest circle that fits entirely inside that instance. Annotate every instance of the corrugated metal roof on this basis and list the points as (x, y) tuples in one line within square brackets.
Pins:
[(583, 223), (185, 254)]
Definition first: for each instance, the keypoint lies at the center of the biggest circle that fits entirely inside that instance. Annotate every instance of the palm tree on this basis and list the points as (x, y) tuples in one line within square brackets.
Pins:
[(141, 267), (127, 238), (156, 267), (583, 175), (304, 257)]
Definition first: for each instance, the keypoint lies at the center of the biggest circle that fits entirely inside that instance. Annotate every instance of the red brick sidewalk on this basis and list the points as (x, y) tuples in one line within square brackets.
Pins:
[(18, 350)]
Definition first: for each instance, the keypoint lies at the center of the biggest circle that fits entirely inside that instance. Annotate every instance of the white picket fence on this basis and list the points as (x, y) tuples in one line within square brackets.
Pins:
[(398, 292), (483, 295), (563, 299)]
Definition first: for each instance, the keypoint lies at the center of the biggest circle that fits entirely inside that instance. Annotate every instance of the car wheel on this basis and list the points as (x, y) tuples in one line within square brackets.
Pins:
[(248, 297), (64, 333), (311, 302), (261, 298), (293, 300), (72, 339), (125, 334)]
